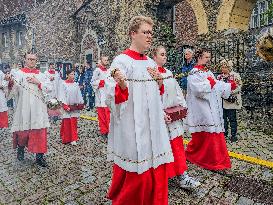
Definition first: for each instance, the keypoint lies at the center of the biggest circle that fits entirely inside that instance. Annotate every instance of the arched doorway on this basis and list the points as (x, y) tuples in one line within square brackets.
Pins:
[(235, 14), (90, 50)]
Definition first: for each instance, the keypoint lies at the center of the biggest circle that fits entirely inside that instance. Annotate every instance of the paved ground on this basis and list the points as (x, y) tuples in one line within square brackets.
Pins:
[(80, 174)]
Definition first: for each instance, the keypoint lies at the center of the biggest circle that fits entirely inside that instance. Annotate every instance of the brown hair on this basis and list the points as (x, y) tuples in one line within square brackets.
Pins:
[(199, 53), (30, 52), (156, 49), (69, 71), (136, 22)]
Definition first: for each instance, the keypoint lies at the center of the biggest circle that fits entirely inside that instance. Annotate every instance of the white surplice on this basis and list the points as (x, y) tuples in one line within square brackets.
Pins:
[(173, 96), (205, 111), (55, 84), (100, 92), (31, 109), (70, 94), (138, 138)]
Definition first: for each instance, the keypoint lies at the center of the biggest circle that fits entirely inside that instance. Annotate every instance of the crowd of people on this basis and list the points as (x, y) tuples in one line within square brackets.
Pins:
[(132, 96)]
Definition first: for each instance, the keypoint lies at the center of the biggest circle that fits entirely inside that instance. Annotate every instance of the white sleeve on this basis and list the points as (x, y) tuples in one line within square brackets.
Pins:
[(62, 92), (46, 84), (14, 92), (199, 85), (180, 96), (224, 89), (95, 79), (110, 85), (79, 95)]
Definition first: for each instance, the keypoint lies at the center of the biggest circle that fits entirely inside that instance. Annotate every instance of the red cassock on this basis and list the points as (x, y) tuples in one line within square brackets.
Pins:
[(179, 166), (4, 121), (103, 115), (69, 130), (104, 119), (139, 189), (34, 140), (208, 150)]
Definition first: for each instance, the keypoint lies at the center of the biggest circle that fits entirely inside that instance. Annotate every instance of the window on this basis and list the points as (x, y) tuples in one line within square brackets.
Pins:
[(5, 40), (258, 17), (19, 38)]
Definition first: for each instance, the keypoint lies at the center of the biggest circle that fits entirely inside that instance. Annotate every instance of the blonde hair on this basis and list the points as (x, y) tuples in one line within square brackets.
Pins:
[(156, 49), (227, 63), (137, 21)]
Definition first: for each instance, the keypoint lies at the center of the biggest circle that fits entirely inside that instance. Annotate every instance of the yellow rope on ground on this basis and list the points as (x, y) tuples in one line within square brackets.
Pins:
[(89, 117), (242, 157)]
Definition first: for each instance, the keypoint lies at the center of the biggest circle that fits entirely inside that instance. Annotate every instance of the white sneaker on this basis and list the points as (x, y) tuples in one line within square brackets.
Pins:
[(187, 182), (73, 143)]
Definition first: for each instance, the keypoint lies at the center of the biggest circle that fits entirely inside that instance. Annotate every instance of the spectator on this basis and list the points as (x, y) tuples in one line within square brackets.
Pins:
[(88, 91), (234, 102), (186, 68)]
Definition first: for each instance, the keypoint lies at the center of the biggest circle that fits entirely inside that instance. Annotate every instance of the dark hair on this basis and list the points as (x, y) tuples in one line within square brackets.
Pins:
[(30, 52), (199, 53), (88, 62), (51, 63), (69, 71)]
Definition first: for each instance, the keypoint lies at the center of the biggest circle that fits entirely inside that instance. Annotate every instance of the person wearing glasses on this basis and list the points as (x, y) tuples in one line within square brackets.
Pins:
[(30, 119), (138, 140)]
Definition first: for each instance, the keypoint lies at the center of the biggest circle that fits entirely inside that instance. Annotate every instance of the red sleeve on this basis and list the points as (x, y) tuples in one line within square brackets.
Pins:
[(161, 89), (233, 84), (66, 107), (80, 106), (211, 81), (101, 84), (40, 86), (121, 95)]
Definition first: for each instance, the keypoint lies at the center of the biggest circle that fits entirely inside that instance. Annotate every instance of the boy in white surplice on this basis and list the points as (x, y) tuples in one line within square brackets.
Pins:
[(30, 119), (138, 140), (207, 147)]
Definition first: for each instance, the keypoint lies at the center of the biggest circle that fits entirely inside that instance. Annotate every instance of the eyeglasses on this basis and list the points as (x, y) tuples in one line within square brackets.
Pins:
[(147, 33)]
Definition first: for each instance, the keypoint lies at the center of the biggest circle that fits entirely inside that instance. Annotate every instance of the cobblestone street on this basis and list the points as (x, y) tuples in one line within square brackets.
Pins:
[(80, 174)]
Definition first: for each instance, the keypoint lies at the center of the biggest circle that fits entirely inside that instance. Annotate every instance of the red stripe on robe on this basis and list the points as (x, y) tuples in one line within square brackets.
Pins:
[(34, 140), (208, 150), (179, 166), (104, 119), (148, 188), (4, 120), (69, 130)]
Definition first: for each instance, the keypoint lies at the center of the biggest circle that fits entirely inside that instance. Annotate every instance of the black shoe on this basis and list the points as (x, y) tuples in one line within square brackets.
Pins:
[(40, 160), (20, 153)]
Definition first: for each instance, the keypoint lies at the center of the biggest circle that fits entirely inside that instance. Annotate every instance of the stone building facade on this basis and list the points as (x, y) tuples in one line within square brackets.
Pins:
[(71, 31)]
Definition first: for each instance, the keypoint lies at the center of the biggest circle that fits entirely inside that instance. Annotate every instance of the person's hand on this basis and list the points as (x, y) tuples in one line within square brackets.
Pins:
[(8, 77), (156, 75), (33, 80), (119, 78), (167, 119), (51, 78)]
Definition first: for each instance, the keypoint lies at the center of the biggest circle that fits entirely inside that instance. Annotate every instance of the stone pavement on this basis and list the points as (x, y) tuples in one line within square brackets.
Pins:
[(80, 174)]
